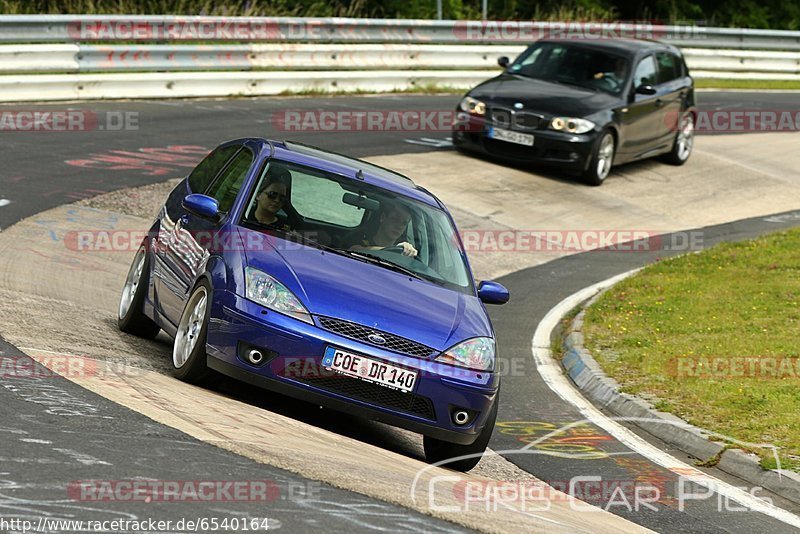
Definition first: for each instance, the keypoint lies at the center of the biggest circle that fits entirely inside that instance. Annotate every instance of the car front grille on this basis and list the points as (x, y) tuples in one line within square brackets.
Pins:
[(358, 389), (508, 118), (362, 333)]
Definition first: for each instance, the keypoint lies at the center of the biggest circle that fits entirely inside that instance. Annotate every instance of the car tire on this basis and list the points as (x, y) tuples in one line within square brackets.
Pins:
[(684, 142), (437, 450), (130, 318), (602, 159), (189, 348)]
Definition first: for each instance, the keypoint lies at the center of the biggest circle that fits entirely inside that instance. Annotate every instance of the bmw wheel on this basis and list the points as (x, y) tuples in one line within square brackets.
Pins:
[(131, 319), (684, 142), (602, 159)]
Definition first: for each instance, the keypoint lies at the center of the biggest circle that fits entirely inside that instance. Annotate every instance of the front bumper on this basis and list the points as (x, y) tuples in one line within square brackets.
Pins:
[(294, 352), (550, 147)]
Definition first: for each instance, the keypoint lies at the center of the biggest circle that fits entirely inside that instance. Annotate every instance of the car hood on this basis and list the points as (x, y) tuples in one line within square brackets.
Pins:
[(549, 98), (333, 285)]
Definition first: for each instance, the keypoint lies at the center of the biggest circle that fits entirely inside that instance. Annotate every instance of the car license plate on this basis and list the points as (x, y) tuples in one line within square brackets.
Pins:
[(369, 370), (511, 136)]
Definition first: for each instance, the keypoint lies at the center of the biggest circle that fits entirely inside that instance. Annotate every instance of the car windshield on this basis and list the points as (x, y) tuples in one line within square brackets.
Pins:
[(358, 220), (571, 64)]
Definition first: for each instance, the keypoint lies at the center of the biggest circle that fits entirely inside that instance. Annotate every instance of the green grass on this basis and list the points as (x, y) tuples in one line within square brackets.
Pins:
[(746, 84), (731, 302)]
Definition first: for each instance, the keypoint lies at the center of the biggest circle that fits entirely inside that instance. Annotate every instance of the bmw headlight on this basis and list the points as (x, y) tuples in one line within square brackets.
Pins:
[(476, 353), (265, 290), (472, 105), (571, 125)]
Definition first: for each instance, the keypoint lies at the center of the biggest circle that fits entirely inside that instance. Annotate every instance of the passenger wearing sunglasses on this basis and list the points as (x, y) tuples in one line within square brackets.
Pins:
[(272, 197)]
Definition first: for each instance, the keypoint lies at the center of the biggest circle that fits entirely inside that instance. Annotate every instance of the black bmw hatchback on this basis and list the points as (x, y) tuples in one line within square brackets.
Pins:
[(583, 105)]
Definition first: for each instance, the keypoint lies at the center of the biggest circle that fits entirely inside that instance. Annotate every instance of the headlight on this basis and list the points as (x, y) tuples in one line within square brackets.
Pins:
[(571, 125), (265, 290), (476, 353), (472, 105)]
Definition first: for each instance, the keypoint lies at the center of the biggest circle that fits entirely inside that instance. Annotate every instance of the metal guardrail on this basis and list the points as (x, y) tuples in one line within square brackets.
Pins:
[(86, 57), (78, 58), (152, 28)]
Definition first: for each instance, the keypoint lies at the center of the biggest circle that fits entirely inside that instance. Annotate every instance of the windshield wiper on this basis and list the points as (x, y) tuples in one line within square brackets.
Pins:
[(371, 258)]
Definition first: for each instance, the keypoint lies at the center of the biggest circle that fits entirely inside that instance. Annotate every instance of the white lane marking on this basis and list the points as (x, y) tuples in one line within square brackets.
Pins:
[(32, 440), (550, 371), (4, 202), (435, 143)]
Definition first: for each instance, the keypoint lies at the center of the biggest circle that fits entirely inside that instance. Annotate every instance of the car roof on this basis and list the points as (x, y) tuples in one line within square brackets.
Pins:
[(347, 166), (621, 46)]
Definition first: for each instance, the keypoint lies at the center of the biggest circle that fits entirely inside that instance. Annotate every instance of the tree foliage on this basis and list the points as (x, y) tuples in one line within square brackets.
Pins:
[(777, 14)]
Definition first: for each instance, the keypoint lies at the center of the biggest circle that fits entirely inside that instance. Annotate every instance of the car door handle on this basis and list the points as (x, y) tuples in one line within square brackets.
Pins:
[(659, 102)]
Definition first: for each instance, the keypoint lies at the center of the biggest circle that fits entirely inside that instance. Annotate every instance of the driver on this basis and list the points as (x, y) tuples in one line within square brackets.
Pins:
[(391, 228), (616, 76)]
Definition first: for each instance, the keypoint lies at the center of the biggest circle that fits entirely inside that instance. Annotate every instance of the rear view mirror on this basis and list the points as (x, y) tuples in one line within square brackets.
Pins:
[(360, 201), (503, 61)]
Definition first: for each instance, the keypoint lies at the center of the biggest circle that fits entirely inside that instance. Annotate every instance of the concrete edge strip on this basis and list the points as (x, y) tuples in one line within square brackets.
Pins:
[(587, 374), (552, 373)]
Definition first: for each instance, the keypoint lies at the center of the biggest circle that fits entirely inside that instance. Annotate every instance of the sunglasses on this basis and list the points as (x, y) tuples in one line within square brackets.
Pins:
[(274, 195)]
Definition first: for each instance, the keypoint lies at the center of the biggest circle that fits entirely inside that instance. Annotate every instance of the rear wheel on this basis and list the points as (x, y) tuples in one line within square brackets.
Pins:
[(189, 349), (602, 159), (684, 142), (437, 450), (131, 319)]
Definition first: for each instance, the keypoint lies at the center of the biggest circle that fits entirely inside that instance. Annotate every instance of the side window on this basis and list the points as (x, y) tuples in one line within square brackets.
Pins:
[(669, 67), (645, 73), (227, 186), (528, 60), (204, 173)]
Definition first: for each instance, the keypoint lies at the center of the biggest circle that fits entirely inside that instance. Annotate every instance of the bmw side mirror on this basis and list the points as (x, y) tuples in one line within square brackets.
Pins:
[(646, 89), (201, 205), (492, 293), (503, 61)]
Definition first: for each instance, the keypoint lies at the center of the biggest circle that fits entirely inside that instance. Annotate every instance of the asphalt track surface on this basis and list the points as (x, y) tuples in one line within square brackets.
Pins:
[(107, 440)]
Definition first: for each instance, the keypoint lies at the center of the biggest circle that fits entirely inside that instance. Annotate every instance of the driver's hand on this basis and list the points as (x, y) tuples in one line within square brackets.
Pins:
[(408, 249)]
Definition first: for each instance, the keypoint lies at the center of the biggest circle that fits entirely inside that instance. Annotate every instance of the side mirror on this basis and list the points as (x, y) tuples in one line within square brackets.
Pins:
[(503, 61), (646, 89), (492, 293), (201, 205)]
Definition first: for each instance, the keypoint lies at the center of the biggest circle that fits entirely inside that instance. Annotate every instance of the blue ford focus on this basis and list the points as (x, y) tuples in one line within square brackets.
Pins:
[(328, 279)]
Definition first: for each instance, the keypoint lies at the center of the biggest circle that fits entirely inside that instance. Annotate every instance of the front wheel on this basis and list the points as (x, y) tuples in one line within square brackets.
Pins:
[(684, 142), (189, 349), (602, 158), (131, 319), (437, 450)]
